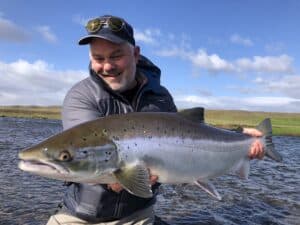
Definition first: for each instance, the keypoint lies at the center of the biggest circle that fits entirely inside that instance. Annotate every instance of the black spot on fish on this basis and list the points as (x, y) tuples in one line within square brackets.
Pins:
[(128, 147), (84, 139), (125, 130), (135, 144), (132, 127), (95, 134)]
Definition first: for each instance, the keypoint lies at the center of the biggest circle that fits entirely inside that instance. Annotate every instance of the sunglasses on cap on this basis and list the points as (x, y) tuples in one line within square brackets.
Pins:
[(115, 24)]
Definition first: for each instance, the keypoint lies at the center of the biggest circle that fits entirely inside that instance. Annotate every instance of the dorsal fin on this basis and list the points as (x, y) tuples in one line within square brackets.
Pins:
[(194, 114)]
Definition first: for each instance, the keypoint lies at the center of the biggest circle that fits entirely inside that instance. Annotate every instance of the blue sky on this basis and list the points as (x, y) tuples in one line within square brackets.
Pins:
[(217, 54)]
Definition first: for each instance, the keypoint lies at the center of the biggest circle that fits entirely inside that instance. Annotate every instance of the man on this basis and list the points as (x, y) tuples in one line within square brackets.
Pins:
[(120, 81)]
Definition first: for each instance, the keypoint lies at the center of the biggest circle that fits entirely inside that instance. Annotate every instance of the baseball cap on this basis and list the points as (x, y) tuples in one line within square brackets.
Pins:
[(111, 28)]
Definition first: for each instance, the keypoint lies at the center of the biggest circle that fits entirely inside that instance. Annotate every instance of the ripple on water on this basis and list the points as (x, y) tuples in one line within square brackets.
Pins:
[(270, 196)]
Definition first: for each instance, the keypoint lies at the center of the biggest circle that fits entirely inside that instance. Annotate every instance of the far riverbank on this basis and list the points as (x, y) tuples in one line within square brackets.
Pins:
[(283, 123)]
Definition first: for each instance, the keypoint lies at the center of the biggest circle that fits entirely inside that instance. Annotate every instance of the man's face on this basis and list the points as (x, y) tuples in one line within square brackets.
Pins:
[(114, 63)]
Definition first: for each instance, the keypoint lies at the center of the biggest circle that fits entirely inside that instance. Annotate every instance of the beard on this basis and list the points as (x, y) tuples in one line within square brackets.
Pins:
[(118, 82)]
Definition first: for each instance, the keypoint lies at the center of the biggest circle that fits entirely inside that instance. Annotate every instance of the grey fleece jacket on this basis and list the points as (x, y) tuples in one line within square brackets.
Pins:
[(92, 98)]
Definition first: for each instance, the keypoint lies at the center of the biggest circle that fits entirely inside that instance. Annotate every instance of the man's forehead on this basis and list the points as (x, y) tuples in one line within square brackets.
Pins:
[(100, 53), (108, 48)]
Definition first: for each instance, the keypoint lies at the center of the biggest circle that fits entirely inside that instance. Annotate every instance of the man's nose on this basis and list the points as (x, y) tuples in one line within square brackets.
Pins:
[(108, 65)]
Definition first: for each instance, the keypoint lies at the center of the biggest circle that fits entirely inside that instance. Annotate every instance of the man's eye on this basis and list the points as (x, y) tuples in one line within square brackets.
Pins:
[(99, 59), (115, 57)]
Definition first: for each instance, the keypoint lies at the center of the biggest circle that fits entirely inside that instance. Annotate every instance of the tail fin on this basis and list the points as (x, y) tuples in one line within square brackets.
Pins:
[(266, 128)]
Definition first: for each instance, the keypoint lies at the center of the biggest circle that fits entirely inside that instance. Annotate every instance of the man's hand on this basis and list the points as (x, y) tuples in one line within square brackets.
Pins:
[(116, 187), (257, 148)]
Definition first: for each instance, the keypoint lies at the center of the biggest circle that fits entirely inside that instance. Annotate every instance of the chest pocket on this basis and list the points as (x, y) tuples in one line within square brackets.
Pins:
[(110, 106)]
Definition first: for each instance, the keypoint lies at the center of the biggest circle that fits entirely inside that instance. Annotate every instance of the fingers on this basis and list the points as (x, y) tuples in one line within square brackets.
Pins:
[(153, 179), (253, 132), (116, 187), (256, 150)]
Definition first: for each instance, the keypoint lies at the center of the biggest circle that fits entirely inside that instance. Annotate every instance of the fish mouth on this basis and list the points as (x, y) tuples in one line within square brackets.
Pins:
[(41, 167)]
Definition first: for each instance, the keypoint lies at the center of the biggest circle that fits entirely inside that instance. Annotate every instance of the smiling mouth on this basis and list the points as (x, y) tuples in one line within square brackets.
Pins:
[(111, 75)]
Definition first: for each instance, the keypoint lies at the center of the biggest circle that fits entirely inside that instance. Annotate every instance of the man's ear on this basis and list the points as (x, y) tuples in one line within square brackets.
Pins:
[(136, 53), (90, 55)]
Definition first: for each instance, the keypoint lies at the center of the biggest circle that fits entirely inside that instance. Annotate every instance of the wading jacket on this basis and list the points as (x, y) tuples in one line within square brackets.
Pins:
[(92, 98)]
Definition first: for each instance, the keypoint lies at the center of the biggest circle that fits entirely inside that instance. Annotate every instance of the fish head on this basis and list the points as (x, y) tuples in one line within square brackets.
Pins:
[(69, 157)]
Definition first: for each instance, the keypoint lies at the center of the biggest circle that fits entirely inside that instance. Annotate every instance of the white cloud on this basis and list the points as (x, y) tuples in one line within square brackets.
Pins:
[(214, 63), (148, 36), (237, 39), (272, 64), (259, 103), (11, 32), (37, 83), (287, 85), (47, 34)]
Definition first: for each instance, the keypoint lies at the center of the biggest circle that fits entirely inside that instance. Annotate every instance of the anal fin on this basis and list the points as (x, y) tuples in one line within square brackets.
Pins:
[(209, 188), (135, 179)]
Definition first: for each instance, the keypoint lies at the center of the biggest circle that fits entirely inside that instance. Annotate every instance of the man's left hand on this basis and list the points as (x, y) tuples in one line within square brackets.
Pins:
[(257, 149)]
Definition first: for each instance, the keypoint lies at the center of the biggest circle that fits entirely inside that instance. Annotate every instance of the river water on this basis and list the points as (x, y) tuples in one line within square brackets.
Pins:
[(271, 195)]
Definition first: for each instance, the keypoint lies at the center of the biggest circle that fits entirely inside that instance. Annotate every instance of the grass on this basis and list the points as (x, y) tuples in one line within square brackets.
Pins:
[(283, 123), (49, 112)]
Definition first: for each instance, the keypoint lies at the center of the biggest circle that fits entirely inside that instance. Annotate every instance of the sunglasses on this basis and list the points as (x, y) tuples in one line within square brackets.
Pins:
[(115, 24)]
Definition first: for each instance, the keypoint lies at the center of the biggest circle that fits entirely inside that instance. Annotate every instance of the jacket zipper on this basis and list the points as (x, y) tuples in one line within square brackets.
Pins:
[(118, 210)]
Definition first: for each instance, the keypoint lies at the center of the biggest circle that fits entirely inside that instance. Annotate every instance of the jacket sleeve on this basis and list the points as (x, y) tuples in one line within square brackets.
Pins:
[(79, 106)]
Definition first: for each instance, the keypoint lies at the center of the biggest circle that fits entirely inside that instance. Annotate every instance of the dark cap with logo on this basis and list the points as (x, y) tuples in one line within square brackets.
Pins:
[(111, 28)]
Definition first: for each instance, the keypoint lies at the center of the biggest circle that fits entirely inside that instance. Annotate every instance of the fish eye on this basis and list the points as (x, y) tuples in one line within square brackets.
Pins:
[(65, 156)]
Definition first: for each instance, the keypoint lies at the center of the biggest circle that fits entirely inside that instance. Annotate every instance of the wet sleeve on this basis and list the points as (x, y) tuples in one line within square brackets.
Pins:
[(78, 107)]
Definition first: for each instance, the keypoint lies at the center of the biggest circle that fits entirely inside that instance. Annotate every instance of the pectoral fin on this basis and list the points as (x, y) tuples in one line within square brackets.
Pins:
[(209, 188), (135, 179)]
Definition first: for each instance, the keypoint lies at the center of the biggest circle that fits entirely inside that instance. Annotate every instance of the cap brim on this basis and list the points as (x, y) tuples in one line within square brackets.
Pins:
[(110, 37)]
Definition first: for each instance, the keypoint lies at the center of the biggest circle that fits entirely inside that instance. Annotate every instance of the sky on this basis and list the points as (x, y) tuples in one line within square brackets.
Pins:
[(242, 55)]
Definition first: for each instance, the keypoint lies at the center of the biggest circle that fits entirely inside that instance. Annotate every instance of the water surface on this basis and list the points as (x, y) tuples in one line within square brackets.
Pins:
[(270, 196)]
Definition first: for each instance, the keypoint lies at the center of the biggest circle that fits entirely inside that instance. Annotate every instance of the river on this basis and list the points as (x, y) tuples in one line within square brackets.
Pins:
[(270, 196)]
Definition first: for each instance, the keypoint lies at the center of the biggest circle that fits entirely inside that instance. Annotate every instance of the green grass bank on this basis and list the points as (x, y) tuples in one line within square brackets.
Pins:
[(283, 123)]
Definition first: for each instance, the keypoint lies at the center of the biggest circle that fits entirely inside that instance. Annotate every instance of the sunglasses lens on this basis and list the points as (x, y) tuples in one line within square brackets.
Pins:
[(93, 25), (115, 24)]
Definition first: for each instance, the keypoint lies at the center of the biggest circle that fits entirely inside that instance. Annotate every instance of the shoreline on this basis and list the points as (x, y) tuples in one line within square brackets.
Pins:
[(284, 124)]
